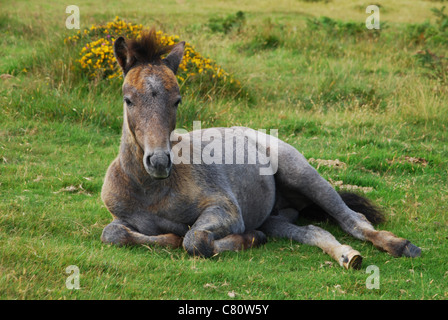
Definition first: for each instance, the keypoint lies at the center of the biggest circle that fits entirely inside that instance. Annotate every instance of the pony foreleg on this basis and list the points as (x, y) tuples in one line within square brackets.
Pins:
[(202, 242), (220, 228), (237, 242), (119, 234), (346, 256)]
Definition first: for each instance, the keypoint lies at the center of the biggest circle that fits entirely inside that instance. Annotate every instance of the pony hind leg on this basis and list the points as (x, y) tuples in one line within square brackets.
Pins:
[(280, 227), (296, 175), (118, 233)]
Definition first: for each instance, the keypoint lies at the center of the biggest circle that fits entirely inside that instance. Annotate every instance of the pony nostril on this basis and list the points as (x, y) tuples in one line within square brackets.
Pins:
[(148, 160), (169, 161)]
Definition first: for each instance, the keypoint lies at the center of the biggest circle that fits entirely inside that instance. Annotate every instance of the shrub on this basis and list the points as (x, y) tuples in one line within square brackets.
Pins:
[(337, 28), (441, 36), (97, 60), (436, 65), (269, 36), (432, 34), (429, 35), (227, 24)]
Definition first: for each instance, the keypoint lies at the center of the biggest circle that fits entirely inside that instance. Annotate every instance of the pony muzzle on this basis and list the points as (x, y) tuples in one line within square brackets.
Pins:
[(158, 164)]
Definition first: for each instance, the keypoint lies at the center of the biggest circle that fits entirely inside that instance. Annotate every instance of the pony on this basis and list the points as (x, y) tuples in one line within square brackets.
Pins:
[(207, 205)]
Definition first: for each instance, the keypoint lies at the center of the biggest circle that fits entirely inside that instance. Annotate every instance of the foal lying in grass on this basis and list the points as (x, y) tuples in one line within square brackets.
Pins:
[(212, 206)]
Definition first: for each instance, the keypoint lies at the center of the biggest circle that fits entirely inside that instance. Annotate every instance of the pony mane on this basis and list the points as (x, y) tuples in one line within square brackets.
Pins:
[(147, 48)]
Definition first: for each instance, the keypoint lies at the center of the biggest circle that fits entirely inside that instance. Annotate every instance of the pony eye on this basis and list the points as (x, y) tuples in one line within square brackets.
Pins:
[(179, 101), (127, 101)]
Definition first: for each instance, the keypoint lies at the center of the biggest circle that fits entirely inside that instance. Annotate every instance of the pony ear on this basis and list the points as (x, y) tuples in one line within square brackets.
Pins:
[(174, 58), (121, 53)]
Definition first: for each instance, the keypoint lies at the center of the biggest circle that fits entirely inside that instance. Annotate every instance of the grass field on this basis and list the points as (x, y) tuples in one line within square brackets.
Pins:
[(375, 100)]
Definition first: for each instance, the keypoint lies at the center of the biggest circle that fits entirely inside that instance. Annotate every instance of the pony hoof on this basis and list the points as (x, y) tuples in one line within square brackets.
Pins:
[(353, 260), (411, 251)]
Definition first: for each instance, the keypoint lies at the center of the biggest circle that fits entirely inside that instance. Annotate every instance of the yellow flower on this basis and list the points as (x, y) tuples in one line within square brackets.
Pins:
[(97, 54)]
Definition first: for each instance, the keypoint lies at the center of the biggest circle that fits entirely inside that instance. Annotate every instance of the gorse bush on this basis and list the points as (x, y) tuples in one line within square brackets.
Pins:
[(97, 59)]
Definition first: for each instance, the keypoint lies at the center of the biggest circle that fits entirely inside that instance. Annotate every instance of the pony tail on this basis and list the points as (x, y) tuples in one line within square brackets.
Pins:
[(355, 202), (363, 205)]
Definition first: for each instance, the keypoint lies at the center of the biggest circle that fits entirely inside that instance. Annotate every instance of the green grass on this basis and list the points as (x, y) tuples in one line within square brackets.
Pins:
[(366, 100)]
